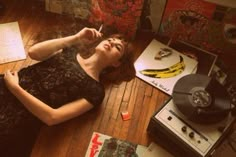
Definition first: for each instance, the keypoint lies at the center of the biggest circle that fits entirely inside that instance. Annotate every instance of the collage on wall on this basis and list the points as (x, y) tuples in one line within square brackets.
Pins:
[(116, 16), (208, 25)]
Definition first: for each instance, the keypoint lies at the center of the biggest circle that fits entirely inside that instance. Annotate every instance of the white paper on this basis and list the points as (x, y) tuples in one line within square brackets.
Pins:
[(11, 45)]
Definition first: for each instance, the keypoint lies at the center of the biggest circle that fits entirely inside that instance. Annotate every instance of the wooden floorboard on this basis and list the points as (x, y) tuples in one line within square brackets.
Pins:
[(71, 139)]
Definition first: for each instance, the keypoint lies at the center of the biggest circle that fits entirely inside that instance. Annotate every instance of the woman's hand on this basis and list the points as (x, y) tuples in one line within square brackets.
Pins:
[(87, 36), (11, 79)]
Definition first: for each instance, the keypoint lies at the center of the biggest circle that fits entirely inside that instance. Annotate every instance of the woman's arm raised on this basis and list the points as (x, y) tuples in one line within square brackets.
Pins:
[(41, 110), (46, 49)]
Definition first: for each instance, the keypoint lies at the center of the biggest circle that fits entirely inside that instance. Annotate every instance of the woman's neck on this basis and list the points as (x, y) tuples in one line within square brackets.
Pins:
[(92, 65)]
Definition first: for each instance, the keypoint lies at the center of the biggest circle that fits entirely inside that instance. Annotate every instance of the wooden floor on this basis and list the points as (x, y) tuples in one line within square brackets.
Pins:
[(71, 138)]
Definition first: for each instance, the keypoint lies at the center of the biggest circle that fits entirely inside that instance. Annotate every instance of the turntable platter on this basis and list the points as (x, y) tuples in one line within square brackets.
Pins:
[(201, 98)]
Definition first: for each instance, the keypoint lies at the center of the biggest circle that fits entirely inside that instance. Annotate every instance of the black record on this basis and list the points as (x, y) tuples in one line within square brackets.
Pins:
[(201, 99)]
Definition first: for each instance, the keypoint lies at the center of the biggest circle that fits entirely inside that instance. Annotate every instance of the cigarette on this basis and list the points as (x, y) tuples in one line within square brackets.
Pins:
[(100, 28)]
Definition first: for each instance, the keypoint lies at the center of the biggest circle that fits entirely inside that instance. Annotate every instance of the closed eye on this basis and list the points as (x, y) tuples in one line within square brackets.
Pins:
[(118, 47)]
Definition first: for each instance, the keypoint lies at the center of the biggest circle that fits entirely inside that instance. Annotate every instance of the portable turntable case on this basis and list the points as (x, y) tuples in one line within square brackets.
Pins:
[(167, 138), (174, 127)]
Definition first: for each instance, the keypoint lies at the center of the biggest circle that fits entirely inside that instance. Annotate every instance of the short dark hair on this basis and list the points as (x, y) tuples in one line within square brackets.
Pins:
[(125, 71)]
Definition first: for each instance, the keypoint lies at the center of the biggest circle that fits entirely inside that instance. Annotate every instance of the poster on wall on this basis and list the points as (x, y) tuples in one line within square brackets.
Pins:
[(161, 66), (116, 16), (208, 25)]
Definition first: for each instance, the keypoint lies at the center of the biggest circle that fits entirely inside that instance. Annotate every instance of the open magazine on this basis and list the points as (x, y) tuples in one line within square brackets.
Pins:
[(102, 145), (162, 66)]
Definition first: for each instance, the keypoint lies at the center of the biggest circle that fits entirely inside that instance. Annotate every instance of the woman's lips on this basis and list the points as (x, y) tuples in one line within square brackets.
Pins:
[(107, 46)]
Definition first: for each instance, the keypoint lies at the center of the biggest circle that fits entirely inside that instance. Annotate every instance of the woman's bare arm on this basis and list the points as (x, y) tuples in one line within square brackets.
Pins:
[(46, 49), (41, 110)]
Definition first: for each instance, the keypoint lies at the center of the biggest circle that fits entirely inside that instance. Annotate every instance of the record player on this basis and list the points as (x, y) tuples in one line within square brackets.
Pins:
[(195, 120)]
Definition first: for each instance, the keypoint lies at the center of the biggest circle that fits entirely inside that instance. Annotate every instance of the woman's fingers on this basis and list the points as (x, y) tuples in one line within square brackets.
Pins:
[(88, 35), (15, 73), (7, 72), (94, 34)]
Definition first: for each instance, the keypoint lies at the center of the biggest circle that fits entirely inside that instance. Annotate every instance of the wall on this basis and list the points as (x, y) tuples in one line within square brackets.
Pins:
[(227, 3)]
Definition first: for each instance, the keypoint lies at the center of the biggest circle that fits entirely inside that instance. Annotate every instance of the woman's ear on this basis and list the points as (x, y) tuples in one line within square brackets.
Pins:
[(116, 64)]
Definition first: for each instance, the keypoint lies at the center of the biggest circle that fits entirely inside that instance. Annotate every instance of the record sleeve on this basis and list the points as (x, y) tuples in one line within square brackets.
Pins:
[(161, 66)]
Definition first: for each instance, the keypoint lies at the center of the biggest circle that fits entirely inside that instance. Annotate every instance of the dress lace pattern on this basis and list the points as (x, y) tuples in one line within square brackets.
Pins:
[(56, 81)]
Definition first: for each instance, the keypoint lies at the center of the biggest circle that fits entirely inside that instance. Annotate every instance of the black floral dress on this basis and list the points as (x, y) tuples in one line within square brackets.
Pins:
[(56, 81)]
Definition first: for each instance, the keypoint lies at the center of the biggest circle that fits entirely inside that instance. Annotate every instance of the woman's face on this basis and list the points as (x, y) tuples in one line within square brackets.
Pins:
[(112, 48)]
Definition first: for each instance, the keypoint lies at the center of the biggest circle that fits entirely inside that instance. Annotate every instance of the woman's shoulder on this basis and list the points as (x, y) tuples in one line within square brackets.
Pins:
[(72, 50), (95, 93)]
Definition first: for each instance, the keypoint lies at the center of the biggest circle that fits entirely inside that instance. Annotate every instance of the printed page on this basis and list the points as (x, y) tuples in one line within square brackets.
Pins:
[(11, 45)]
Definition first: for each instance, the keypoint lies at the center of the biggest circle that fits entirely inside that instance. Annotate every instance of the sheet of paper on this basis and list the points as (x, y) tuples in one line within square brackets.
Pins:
[(11, 44)]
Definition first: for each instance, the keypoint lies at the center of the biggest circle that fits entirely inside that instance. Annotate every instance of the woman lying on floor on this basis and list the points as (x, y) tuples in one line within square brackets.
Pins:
[(63, 85)]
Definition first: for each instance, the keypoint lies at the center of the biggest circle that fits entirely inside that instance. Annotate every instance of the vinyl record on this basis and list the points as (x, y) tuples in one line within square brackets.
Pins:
[(201, 98)]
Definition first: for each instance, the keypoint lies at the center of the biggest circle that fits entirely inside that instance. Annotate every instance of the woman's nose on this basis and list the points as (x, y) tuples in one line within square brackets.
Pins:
[(112, 42)]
